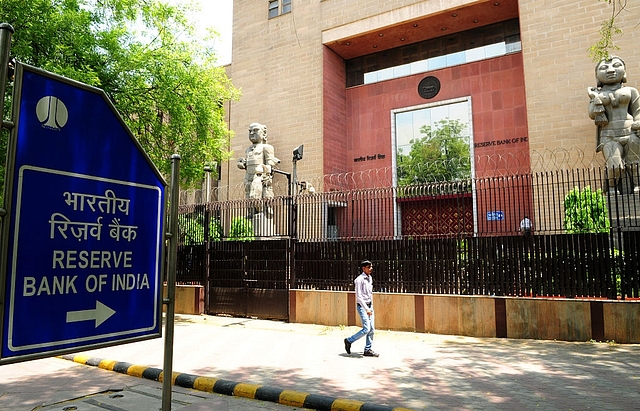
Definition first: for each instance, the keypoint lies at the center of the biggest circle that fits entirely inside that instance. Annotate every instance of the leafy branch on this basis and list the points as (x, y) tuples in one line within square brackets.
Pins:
[(609, 28)]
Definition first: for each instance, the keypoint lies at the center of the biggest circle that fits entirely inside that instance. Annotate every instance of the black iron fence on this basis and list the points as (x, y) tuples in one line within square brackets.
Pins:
[(447, 238), (559, 265)]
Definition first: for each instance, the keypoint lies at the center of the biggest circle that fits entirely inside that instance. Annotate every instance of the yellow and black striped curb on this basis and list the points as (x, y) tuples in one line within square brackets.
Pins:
[(252, 391)]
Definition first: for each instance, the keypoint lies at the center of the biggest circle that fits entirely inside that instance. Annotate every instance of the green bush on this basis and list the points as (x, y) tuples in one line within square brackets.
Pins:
[(585, 211), (241, 229), (618, 268), (192, 226)]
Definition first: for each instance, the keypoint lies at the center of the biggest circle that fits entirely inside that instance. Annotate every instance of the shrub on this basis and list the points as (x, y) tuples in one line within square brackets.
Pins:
[(191, 228), (241, 229), (585, 211)]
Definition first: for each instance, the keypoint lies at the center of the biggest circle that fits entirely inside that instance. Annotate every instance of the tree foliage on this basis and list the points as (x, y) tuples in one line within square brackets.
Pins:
[(143, 54), (601, 49), (441, 154), (585, 211)]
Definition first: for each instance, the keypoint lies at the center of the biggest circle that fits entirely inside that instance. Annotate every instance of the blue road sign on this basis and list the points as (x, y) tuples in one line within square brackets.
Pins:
[(85, 234)]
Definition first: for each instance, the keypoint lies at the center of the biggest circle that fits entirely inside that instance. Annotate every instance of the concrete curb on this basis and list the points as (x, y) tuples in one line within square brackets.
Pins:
[(225, 387)]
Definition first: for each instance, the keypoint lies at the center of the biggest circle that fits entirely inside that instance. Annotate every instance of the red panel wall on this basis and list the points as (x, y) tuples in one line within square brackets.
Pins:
[(357, 130), (497, 91), (334, 113)]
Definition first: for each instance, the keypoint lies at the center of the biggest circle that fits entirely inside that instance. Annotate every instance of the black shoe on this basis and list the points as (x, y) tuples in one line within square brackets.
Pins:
[(347, 346), (370, 353)]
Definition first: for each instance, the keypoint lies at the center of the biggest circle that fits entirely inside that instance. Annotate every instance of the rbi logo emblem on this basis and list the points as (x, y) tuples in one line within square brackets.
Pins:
[(52, 113), (429, 87)]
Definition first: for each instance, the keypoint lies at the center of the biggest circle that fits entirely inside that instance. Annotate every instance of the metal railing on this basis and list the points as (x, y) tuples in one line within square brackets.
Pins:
[(439, 238)]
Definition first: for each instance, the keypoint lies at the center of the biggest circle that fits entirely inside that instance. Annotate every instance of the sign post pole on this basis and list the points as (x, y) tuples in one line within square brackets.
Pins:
[(171, 283), (6, 31)]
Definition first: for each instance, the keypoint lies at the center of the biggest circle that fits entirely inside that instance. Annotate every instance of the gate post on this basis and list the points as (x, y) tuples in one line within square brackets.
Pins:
[(6, 32), (291, 251), (207, 253)]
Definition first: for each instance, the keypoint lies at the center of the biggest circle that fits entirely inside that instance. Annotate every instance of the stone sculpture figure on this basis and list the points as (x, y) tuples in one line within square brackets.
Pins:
[(615, 108), (259, 162)]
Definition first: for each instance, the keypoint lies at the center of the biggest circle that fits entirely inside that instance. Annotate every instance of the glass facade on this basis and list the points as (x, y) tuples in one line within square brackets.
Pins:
[(472, 45)]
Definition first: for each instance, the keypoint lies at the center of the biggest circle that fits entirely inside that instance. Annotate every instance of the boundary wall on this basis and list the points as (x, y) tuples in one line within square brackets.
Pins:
[(477, 316), (473, 316)]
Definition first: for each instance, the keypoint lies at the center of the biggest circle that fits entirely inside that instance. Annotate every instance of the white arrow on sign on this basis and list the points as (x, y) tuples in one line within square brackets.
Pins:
[(100, 314)]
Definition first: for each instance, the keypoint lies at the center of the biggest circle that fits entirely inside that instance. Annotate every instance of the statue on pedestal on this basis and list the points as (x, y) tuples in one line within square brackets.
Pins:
[(615, 109), (259, 162)]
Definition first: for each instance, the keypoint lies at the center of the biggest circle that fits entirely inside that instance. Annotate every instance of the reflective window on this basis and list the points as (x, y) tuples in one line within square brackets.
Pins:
[(279, 7), (432, 54), (286, 6), (273, 8), (435, 63), (433, 142)]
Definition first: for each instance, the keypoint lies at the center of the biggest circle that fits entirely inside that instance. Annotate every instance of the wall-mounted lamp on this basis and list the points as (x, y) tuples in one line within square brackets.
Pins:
[(208, 170), (297, 156), (297, 152)]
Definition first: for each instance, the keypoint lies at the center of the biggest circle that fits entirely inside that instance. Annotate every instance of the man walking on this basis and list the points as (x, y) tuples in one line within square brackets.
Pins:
[(364, 299)]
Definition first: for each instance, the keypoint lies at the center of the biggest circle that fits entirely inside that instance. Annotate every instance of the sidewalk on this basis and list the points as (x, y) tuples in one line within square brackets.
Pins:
[(415, 371)]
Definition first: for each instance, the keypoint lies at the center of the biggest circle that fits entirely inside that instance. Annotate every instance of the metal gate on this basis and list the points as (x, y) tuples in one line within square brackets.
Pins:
[(249, 278)]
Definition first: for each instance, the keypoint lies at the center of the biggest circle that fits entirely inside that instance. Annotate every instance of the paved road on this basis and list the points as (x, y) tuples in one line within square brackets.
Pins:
[(415, 371)]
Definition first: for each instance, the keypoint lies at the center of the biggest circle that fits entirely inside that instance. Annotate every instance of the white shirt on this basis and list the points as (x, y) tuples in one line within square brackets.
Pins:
[(364, 290)]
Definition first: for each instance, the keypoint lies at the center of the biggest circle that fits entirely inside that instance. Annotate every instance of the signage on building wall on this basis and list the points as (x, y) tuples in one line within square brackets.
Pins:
[(495, 215), (501, 142), (429, 87), (369, 158)]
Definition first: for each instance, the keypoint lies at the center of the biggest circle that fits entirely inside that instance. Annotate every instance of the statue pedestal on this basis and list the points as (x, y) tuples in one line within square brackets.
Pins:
[(263, 226), (624, 210), (627, 182)]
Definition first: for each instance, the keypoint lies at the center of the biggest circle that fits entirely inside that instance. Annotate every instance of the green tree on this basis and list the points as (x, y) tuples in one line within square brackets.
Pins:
[(142, 53), (442, 154), (585, 211)]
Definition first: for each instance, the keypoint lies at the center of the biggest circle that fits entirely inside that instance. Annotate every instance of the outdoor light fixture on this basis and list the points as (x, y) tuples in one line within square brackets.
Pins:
[(208, 170), (297, 156)]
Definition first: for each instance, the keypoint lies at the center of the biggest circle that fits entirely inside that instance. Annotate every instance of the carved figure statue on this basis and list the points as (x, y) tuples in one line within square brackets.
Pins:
[(615, 108), (259, 162)]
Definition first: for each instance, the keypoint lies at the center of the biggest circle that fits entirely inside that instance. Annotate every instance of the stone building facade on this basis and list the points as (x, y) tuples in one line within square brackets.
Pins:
[(337, 76)]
